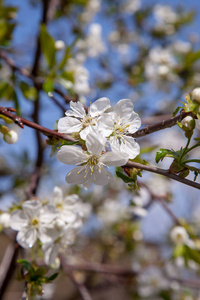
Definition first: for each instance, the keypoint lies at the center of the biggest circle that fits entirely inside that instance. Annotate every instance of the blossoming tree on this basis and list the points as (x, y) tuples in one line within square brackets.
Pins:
[(106, 192)]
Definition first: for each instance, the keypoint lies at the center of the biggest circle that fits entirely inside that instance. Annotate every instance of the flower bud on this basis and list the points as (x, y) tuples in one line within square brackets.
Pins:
[(59, 45), (179, 235), (11, 137), (196, 94), (188, 122)]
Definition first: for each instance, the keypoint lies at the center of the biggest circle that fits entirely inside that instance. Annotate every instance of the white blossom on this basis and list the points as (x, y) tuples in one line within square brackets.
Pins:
[(179, 235), (93, 44), (31, 222), (77, 120), (91, 164), (117, 125)]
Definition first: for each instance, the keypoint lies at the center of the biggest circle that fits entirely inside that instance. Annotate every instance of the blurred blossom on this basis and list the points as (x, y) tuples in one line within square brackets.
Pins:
[(93, 44), (5, 220), (181, 47), (164, 14), (91, 9), (131, 6), (151, 281), (112, 211), (179, 235)]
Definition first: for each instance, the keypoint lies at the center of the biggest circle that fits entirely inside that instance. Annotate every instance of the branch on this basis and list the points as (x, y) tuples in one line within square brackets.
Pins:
[(7, 266), (162, 124), (80, 286), (163, 172), (21, 122), (101, 268)]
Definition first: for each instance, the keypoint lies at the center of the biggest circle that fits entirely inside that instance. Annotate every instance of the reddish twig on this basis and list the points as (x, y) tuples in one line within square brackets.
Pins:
[(167, 123), (165, 173)]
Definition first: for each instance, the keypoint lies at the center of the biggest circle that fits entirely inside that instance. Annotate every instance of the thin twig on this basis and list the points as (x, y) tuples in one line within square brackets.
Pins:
[(21, 121), (101, 268), (80, 286), (167, 123), (163, 172)]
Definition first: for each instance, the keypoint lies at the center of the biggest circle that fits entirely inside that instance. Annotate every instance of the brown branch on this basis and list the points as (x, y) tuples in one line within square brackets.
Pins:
[(7, 266), (160, 199), (163, 172), (80, 286), (102, 268), (162, 125), (21, 122)]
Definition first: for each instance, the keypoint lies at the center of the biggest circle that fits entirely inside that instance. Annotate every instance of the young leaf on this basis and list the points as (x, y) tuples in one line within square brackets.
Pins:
[(48, 46), (161, 153)]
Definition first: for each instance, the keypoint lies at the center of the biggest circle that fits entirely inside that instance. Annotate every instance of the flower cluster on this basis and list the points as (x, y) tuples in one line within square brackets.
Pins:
[(102, 127), (55, 223)]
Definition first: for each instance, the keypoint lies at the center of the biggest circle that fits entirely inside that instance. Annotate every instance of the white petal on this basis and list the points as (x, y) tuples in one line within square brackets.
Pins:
[(102, 176), (78, 110), (114, 159), (130, 147), (85, 132), (68, 216), (123, 108), (135, 123), (114, 144), (99, 106), (94, 143), (71, 199), (18, 220), (69, 125), (105, 124), (31, 208), (27, 237), (50, 253), (76, 176), (57, 193), (71, 155)]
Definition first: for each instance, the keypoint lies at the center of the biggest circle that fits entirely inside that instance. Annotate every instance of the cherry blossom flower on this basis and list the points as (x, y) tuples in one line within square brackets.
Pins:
[(31, 222), (77, 120), (118, 124), (91, 164), (179, 235)]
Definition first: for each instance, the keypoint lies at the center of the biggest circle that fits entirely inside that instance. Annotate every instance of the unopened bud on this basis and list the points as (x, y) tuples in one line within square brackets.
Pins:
[(11, 137), (188, 122), (59, 45), (196, 94)]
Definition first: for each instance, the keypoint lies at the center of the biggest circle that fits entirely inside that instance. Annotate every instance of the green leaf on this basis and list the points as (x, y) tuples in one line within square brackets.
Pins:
[(52, 277), (125, 178), (48, 47), (176, 110), (66, 56), (48, 85), (179, 250), (161, 153), (28, 91), (26, 265)]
